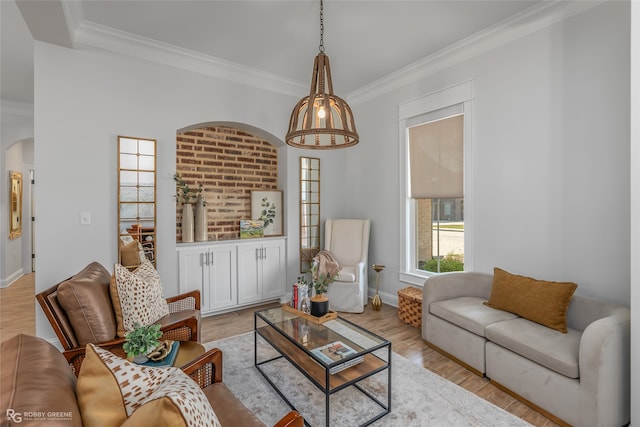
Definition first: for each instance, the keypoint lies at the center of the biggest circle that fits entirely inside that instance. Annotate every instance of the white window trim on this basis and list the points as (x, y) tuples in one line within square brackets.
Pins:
[(458, 94)]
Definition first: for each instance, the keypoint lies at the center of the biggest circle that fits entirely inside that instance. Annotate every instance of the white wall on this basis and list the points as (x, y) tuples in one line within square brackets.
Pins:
[(635, 209), (550, 150), (16, 147), (84, 100)]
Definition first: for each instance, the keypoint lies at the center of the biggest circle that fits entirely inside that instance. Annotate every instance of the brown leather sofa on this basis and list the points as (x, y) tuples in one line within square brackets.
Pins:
[(38, 387)]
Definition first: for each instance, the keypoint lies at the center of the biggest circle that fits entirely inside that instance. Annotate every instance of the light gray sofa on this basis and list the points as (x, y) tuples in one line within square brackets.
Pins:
[(581, 377)]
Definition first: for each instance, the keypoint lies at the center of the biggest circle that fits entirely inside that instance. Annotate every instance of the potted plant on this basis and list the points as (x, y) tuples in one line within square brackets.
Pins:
[(141, 341), (320, 282)]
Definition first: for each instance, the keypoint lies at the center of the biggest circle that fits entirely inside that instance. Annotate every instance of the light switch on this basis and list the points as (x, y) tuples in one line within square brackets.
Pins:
[(85, 218)]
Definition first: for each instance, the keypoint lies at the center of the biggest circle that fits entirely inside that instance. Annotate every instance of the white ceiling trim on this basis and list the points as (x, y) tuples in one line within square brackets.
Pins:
[(517, 26), (121, 42), (537, 17)]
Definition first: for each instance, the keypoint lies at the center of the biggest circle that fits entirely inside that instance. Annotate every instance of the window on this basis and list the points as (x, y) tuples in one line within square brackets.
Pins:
[(436, 170), (435, 136)]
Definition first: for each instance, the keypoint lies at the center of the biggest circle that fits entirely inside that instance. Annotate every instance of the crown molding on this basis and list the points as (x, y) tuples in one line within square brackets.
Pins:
[(73, 16), (530, 20), (92, 34)]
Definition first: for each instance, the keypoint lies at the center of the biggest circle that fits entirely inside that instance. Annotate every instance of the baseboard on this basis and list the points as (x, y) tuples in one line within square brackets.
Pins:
[(387, 298), (5, 283)]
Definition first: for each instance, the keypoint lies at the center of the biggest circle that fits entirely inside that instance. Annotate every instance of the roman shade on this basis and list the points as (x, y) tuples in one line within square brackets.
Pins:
[(436, 159)]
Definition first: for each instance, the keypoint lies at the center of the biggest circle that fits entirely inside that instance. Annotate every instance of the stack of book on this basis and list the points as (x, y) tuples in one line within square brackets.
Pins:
[(334, 352)]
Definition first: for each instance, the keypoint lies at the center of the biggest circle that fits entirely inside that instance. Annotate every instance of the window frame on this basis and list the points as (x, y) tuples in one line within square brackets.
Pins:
[(408, 112)]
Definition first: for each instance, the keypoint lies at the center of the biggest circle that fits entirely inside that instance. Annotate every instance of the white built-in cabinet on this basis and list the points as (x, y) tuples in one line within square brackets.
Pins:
[(232, 274)]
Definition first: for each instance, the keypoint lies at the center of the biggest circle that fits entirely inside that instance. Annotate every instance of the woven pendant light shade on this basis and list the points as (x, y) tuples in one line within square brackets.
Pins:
[(321, 120)]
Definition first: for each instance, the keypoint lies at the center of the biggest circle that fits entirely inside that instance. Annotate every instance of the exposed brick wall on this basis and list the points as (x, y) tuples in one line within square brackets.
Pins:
[(424, 234), (229, 163)]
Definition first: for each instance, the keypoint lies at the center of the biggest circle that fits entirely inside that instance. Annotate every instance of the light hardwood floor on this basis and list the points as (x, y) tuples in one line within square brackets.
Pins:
[(17, 316)]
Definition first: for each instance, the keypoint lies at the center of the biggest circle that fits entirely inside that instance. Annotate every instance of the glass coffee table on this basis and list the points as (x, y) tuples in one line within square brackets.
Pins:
[(332, 355)]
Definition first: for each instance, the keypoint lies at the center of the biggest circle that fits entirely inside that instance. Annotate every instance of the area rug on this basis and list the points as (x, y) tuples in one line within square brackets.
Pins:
[(418, 396)]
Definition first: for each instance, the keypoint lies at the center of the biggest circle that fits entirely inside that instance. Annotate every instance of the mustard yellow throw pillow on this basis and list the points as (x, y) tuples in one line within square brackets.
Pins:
[(114, 392), (540, 301)]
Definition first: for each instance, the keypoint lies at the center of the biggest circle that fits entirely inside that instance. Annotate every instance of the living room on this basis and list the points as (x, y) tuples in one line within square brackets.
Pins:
[(549, 177)]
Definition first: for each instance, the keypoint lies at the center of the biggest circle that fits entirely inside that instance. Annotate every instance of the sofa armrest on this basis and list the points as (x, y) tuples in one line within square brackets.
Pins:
[(453, 285), (76, 356), (187, 301), (292, 419), (604, 362), (206, 369)]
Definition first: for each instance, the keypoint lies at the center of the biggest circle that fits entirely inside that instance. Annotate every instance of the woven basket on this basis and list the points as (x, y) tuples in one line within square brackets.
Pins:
[(410, 306)]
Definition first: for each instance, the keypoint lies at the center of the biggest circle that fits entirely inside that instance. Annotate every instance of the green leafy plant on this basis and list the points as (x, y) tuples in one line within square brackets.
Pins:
[(185, 193), (268, 211), (451, 262), (321, 281), (142, 339)]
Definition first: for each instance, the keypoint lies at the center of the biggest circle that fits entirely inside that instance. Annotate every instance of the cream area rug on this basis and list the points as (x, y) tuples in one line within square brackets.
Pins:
[(418, 396)]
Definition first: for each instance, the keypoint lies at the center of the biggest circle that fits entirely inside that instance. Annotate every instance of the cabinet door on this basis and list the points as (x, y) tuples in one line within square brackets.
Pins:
[(194, 273), (273, 270), (249, 272), (222, 277)]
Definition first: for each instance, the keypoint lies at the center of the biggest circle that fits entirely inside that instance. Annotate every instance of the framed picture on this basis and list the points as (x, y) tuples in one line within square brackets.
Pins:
[(250, 228), (266, 205)]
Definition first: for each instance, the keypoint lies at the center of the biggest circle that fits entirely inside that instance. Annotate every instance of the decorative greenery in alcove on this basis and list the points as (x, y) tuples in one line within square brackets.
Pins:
[(228, 163)]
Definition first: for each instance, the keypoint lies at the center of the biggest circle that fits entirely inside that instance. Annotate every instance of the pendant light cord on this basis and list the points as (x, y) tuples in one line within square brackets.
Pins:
[(321, 27)]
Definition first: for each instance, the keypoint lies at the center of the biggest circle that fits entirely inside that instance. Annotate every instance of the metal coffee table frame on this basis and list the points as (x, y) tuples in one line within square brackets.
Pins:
[(278, 328)]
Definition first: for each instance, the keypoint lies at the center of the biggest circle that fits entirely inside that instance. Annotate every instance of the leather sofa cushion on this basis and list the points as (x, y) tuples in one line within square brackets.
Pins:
[(87, 303), (35, 377), (469, 313), (229, 410), (548, 347), (115, 392)]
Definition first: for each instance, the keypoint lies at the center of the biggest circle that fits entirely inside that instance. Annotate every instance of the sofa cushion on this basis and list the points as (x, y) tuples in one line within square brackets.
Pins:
[(137, 297), (550, 348), (540, 301), (469, 313), (87, 304), (35, 377), (114, 392)]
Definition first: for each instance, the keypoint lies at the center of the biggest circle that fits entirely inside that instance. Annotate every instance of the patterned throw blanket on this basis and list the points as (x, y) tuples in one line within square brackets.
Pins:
[(327, 264)]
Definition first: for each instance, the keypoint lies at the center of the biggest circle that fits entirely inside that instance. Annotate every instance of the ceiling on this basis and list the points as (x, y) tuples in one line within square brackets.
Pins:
[(365, 40)]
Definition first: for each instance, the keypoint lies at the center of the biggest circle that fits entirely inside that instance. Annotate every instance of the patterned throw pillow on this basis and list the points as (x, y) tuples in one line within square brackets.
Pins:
[(112, 392), (137, 297)]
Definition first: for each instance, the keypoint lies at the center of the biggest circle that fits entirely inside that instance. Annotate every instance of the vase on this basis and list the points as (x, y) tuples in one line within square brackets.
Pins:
[(201, 226), (319, 305), (138, 358), (187, 222)]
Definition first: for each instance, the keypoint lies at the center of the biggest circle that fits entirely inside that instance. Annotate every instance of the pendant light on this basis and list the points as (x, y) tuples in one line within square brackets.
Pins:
[(321, 120)]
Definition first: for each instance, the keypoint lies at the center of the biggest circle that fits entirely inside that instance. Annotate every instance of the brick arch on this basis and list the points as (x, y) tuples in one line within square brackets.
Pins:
[(229, 160)]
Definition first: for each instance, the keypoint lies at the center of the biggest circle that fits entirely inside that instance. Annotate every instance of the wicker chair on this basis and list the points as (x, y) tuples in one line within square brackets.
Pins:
[(181, 324)]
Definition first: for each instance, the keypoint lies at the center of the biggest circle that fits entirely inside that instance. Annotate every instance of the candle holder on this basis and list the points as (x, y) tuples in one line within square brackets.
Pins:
[(376, 302)]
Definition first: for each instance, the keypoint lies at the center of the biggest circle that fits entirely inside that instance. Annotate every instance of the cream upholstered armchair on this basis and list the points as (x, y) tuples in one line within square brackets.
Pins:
[(348, 241)]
